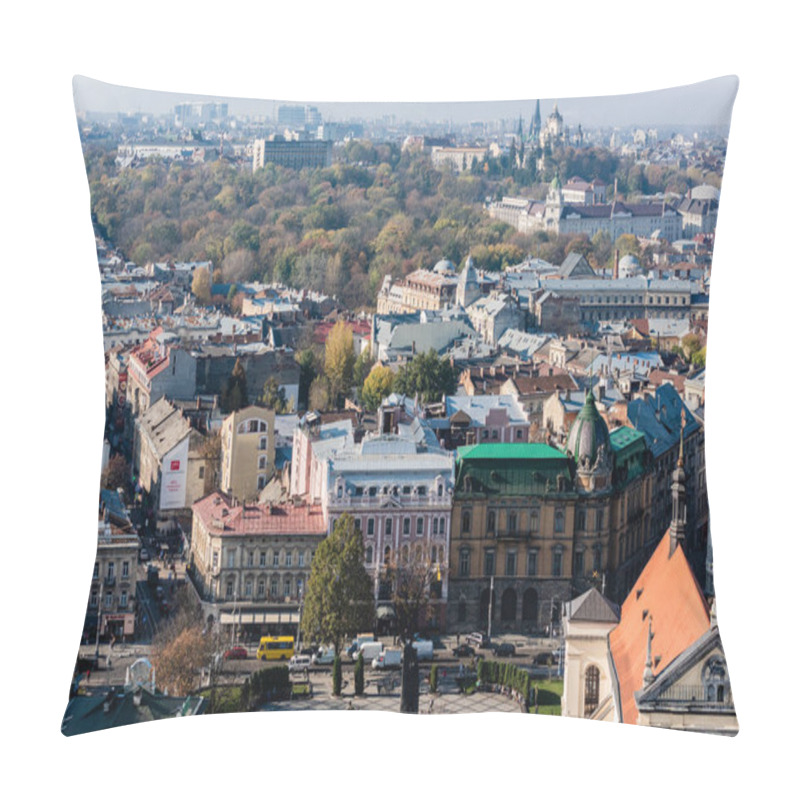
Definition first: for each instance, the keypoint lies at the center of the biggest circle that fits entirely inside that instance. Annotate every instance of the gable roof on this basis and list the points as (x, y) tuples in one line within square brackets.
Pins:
[(591, 606), (667, 593)]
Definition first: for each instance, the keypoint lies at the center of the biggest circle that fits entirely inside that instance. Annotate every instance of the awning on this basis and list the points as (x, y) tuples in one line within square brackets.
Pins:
[(258, 617)]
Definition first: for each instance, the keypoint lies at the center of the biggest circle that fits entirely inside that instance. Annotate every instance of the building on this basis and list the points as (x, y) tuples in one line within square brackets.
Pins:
[(302, 154), (112, 598), (397, 484), (248, 452), (250, 563), (537, 525), (661, 662), (169, 460), (457, 159), (493, 315), (423, 289)]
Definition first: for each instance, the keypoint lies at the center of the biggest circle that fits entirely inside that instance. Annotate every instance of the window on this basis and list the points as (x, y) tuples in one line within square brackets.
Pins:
[(125, 569), (109, 599), (512, 523), (357, 524), (301, 559), (435, 526), (93, 600), (229, 590), (215, 560), (250, 558), (262, 561), (406, 490), (441, 526), (465, 522), (387, 554), (288, 558), (123, 599), (422, 491), (201, 472), (559, 522), (276, 559), (534, 521), (463, 564), (262, 462), (597, 559), (388, 531), (406, 526), (248, 587), (299, 585), (262, 587), (419, 526), (558, 557), (440, 490), (231, 558), (273, 586), (488, 562), (494, 435), (96, 571), (368, 555), (262, 482), (490, 522), (592, 691), (262, 443), (371, 526), (373, 490), (578, 571), (287, 587), (598, 519), (580, 519), (511, 563), (110, 570), (533, 558), (519, 433)]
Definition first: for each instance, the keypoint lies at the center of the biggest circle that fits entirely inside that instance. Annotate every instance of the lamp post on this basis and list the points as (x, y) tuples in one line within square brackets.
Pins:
[(491, 596)]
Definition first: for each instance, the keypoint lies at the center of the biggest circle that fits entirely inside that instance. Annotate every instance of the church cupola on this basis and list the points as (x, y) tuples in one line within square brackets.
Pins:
[(590, 445)]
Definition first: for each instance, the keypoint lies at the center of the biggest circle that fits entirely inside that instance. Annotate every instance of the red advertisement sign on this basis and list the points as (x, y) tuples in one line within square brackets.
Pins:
[(174, 465)]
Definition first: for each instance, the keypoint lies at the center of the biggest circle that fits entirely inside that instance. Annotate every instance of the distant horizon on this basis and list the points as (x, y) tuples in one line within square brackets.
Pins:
[(701, 105)]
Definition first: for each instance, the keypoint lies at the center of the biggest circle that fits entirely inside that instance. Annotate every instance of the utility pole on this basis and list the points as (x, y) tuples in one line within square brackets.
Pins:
[(491, 595)]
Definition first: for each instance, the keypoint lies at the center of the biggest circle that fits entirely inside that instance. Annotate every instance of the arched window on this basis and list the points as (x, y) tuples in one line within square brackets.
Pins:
[(559, 521), (369, 555), (592, 691)]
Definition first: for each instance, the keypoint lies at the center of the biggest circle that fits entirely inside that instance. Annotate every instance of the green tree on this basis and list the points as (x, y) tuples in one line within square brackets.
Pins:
[(339, 598), (377, 386), (273, 396), (234, 395), (358, 675), (305, 358), (427, 376), (361, 369), (336, 675), (699, 357), (339, 361)]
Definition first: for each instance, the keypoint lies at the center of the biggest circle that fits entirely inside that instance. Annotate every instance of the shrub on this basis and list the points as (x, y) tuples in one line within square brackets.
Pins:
[(358, 677), (434, 679), (337, 675)]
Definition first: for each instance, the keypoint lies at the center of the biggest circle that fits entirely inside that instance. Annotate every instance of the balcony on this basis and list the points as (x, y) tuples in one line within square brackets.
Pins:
[(109, 581)]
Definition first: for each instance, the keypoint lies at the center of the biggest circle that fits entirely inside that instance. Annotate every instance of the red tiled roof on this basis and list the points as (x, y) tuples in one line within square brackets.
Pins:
[(668, 593), (220, 517)]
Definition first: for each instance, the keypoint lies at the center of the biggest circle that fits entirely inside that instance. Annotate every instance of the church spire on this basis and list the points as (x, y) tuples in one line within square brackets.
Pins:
[(677, 527)]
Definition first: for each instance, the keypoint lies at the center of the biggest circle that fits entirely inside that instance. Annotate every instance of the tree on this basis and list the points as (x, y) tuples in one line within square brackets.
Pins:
[(377, 386), (690, 344), (181, 649), (336, 675), (234, 395), (201, 285), (358, 675), (361, 369), (319, 394), (339, 599), (239, 265), (305, 358), (339, 361), (117, 473), (428, 376), (211, 451), (273, 396)]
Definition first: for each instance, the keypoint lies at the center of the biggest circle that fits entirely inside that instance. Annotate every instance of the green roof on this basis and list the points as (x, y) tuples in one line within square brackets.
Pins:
[(624, 436), (509, 451)]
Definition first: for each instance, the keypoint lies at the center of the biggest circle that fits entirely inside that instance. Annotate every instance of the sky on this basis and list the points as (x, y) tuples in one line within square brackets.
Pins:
[(703, 105)]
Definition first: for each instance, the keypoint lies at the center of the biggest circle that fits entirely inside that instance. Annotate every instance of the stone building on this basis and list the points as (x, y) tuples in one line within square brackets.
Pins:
[(250, 563), (537, 525)]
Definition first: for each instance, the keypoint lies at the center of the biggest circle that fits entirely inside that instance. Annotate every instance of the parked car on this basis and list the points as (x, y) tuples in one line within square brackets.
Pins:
[(463, 651), (299, 663), (504, 650), (477, 639), (323, 656), (544, 659), (236, 653)]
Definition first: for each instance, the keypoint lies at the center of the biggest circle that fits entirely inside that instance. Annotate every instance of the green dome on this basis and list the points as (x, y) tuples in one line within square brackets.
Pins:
[(588, 433)]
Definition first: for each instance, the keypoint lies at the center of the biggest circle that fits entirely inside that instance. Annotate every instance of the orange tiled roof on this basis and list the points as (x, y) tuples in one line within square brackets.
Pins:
[(252, 519), (668, 591)]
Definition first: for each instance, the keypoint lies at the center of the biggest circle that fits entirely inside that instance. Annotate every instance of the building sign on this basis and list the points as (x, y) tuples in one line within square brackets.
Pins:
[(173, 477), (174, 465)]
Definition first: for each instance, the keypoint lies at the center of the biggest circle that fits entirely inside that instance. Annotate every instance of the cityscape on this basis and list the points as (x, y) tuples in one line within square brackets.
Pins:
[(414, 407)]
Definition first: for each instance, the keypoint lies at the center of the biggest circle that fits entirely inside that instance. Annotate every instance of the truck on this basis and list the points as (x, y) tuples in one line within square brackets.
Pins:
[(369, 650), (388, 659), (352, 651), (424, 648)]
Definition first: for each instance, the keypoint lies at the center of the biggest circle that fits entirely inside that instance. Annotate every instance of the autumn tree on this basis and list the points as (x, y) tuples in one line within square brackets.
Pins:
[(338, 601), (181, 648), (339, 361), (117, 473), (273, 396), (377, 386), (201, 285)]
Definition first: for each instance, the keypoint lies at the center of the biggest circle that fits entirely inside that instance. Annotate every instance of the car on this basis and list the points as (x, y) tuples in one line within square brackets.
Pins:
[(299, 663), (324, 656), (504, 650), (235, 653), (144, 554), (478, 639), (463, 651)]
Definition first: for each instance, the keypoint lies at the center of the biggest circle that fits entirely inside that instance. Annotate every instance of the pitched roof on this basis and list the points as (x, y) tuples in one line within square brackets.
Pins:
[(591, 606), (667, 593)]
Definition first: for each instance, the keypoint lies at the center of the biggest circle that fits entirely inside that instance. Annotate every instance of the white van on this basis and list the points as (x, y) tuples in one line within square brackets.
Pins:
[(299, 663), (388, 659), (369, 650), (424, 648)]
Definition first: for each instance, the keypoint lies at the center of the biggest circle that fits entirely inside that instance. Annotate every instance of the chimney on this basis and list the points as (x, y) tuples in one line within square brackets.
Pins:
[(616, 264)]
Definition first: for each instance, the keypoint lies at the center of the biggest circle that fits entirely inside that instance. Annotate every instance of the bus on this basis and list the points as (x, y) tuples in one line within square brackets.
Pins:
[(275, 648)]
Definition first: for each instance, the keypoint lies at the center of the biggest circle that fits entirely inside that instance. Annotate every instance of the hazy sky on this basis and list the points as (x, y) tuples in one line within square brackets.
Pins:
[(701, 104)]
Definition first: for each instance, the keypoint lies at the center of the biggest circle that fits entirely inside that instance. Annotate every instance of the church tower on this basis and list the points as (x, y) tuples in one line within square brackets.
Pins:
[(677, 527), (554, 205)]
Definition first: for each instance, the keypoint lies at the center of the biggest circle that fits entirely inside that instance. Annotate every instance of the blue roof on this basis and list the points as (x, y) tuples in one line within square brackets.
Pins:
[(658, 417)]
